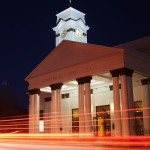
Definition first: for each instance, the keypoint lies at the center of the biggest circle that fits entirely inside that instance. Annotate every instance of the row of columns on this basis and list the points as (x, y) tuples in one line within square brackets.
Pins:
[(124, 121), (84, 101), (123, 126)]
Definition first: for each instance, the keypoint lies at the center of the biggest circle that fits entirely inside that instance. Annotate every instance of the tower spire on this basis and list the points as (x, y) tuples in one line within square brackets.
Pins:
[(70, 3)]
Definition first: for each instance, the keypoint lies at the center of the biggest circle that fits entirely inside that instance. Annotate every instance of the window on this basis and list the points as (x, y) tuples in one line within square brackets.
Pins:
[(75, 113), (41, 126), (47, 99), (41, 114), (65, 95)]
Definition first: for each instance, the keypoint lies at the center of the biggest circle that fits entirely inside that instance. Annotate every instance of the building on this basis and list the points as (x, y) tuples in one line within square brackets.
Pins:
[(81, 87)]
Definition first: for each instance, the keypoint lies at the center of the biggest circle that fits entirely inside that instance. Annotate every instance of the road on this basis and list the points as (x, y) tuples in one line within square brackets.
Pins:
[(59, 146)]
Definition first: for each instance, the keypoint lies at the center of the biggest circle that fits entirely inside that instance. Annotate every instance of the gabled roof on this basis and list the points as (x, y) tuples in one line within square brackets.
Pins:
[(70, 53), (142, 45)]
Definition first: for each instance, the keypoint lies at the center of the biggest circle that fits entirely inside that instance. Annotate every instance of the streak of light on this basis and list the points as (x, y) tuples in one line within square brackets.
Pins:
[(78, 139)]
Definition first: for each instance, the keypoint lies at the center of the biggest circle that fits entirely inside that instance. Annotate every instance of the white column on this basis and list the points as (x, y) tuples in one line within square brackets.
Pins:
[(116, 99), (146, 104), (131, 105), (36, 112), (112, 113), (31, 113), (81, 108), (88, 116), (128, 122), (125, 106), (58, 110), (53, 121), (47, 117)]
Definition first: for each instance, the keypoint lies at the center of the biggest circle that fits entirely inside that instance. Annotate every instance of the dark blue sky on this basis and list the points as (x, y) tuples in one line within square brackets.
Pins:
[(26, 34)]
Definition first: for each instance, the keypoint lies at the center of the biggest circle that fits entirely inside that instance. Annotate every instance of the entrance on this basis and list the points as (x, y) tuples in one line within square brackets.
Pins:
[(139, 118), (75, 120), (103, 118)]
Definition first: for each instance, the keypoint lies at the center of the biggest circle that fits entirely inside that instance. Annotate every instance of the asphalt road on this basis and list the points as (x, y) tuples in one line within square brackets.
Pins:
[(59, 146)]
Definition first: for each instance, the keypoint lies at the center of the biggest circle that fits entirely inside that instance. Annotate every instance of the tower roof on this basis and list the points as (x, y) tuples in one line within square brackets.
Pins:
[(70, 13)]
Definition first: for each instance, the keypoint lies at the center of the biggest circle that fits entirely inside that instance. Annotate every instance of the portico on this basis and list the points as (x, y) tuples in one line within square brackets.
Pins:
[(83, 74), (78, 76)]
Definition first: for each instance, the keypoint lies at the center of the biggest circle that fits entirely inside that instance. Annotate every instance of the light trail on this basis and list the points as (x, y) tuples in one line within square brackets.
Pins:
[(86, 139), (20, 123), (46, 146)]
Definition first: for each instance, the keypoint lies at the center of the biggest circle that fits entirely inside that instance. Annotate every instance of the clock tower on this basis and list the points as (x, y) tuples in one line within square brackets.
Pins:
[(71, 25)]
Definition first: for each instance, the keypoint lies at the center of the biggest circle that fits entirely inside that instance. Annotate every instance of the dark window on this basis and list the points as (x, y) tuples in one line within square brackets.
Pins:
[(84, 34), (47, 99), (41, 114), (65, 95)]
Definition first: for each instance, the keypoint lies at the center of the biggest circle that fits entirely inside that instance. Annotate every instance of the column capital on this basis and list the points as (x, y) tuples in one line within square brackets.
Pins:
[(126, 71), (145, 81), (56, 86), (115, 73), (34, 91), (83, 80)]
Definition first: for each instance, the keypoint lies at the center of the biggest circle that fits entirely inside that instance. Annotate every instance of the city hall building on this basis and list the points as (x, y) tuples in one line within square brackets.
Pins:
[(86, 88)]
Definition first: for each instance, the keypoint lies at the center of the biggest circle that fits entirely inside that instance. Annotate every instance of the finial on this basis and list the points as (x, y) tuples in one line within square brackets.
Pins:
[(70, 2)]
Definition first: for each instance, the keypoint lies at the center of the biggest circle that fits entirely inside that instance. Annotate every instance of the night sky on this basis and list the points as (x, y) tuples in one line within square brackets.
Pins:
[(26, 35)]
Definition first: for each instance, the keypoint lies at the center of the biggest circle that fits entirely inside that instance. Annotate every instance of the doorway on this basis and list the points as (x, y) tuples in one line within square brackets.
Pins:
[(103, 119), (139, 118), (75, 120)]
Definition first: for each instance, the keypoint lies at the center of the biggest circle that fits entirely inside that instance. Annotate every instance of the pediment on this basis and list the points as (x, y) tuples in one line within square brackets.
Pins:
[(70, 53)]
